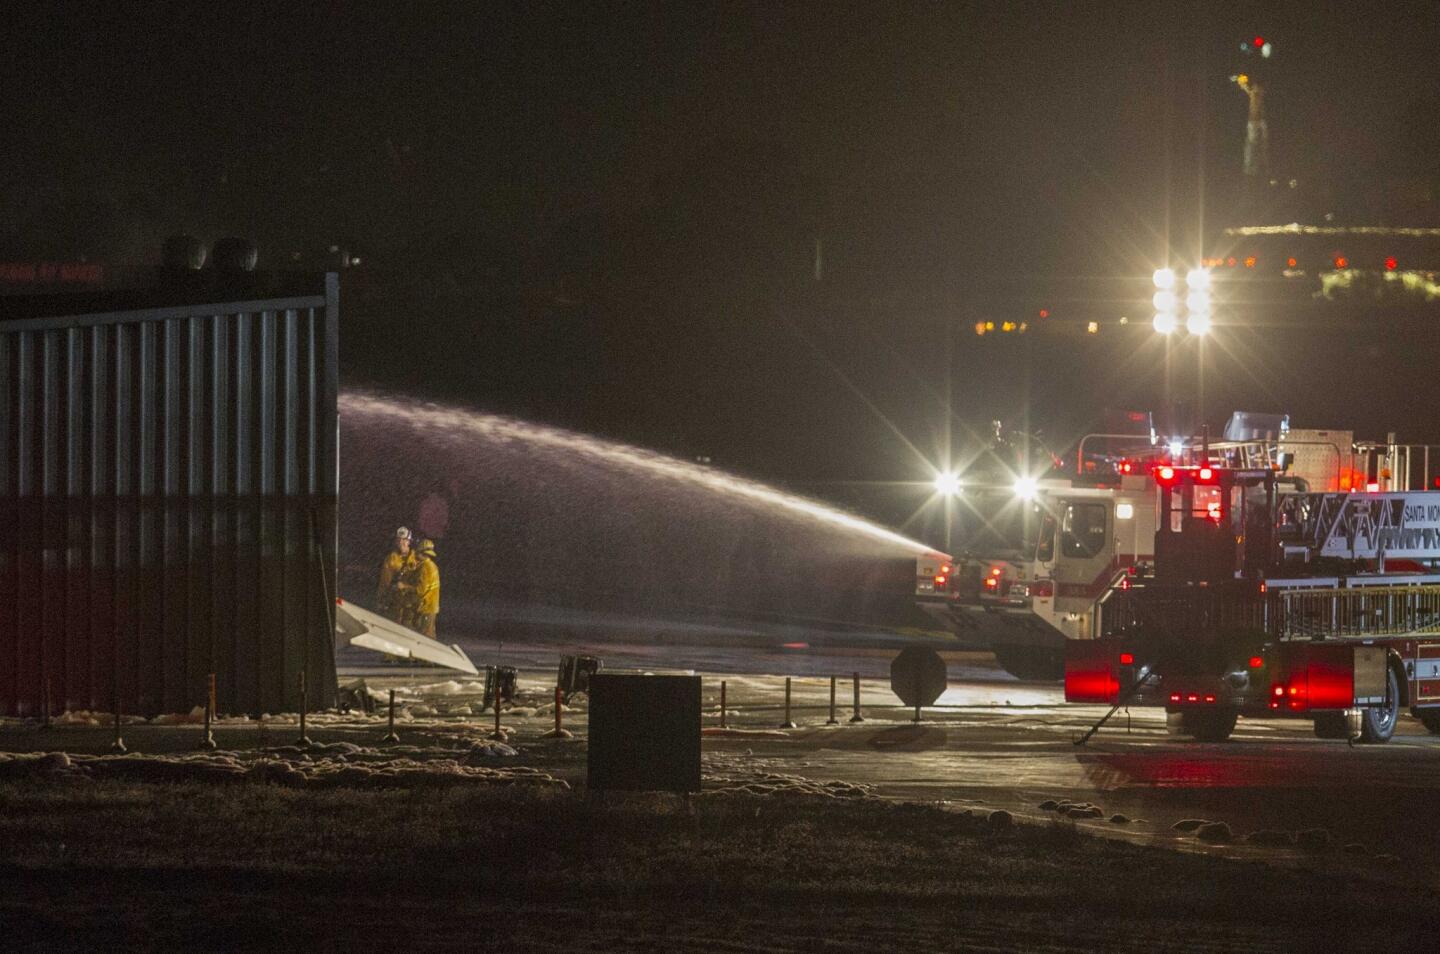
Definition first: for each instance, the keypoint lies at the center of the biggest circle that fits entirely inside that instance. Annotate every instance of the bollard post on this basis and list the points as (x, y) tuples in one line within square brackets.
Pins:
[(832, 720), (304, 740), (391, 736), (722, 704), (499, 733), (857, 717), (118, 746), (559, 732), (207, 742), (788, 723)]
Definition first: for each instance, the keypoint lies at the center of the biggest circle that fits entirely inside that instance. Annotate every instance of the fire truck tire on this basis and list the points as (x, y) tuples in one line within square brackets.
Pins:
[(1332, 725), (1032, 663), (1377, 725), (1429, 718), (1202, 725)]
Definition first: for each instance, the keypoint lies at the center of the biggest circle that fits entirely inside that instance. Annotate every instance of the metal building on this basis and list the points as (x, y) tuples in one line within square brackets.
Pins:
[(168, 485)]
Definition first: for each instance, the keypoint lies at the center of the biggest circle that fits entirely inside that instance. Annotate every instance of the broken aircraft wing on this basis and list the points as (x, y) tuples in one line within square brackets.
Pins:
[(357, 626)]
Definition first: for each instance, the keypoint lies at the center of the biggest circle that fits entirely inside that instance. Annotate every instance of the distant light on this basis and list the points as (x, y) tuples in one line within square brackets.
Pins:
[(1175, 447), (1258, 42), (1230, 262), (1265, 50), (1044, 312), (1124, 320), (1164, 278), (1341, 261), (980, 328), (1291, 262), (1164, 323), (1165, 301), (1197, 323), (1198, 279), (1250, 261), (1391, 263), (989, 326), (1198, 302), (1124, 511), (1026, 487), (1242, 79), (1023, 326), (1092, 328), (947, 483), (1008, 326)]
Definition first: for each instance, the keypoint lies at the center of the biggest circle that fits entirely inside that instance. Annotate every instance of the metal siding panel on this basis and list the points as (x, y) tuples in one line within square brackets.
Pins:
[(161, 469), (76, 515), (100, 595), (52, 526), (9, 506)]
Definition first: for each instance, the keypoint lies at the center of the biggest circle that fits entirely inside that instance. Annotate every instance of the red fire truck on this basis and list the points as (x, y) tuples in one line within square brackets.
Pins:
[(1264, 601)]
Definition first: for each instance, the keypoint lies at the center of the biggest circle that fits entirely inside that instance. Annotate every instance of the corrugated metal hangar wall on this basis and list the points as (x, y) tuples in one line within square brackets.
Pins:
[(169, 477)]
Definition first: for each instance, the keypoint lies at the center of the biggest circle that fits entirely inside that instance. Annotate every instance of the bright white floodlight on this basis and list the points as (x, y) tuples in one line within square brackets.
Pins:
[(1198, 323), (947, 483), (1164, 278), (1165, 301), (1198, 302), (1164, 323), (1197, 279), (1026, 487)]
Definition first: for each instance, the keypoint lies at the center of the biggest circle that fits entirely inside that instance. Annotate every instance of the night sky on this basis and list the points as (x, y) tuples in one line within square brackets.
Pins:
[(605, 216)]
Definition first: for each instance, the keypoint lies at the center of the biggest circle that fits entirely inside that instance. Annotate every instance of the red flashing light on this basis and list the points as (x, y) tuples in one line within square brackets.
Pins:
[(1372, 488), (1264, 587), (1125, 583), (996, 571), (1132, 570), (992, 582), (1256, 662), (1125, 467), (1341, 261), (1209, 698), (1391, 263), (1165, 474), (946, 568), (940, 580), (1206, 474), (1192, 698), (1437, 482), (1127, 659), (1258, 42), (1291, 262), (1174, 697), (1044, 312), (1278, 690)]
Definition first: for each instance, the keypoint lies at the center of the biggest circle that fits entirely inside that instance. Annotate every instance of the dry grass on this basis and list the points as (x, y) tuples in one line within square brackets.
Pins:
[(108, 864)]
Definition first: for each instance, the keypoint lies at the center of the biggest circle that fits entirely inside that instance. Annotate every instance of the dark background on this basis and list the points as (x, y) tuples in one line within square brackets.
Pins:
[(605, 216)]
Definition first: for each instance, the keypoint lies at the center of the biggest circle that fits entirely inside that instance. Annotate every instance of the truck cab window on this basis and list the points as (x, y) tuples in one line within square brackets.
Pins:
[(1045, 542), (1082, 531)]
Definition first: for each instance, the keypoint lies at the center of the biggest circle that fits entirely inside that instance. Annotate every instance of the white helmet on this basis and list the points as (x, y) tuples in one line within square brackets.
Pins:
[(403, 533)]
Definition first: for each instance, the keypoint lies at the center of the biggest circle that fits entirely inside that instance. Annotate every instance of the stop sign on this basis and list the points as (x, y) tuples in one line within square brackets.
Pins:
[(918, 676)]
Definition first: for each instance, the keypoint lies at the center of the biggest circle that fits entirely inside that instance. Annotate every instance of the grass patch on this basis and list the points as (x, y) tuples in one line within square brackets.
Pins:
[(255, 865)]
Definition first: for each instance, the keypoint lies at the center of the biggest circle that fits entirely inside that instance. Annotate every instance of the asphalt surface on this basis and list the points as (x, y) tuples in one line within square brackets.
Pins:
[(994, 742)]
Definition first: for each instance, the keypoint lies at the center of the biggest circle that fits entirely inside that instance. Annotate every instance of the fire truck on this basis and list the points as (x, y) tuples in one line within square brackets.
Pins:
[(1080, 532), (1269, 601)]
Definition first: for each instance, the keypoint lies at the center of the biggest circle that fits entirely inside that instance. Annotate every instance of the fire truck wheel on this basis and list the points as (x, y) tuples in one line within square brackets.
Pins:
[(1430, 718), (1032, 663), (1378, 724), (1332, 725), (1202, 725)]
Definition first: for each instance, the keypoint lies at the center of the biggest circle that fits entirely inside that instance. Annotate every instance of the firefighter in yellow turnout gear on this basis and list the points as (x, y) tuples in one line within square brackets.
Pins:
[(420, 590), (400, 561)]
